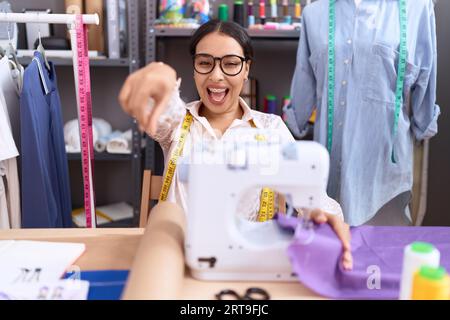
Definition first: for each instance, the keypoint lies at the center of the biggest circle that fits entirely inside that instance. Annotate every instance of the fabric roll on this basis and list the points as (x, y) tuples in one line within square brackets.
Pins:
[(158, 268), (100, 144), (100, 128), (120, 144)]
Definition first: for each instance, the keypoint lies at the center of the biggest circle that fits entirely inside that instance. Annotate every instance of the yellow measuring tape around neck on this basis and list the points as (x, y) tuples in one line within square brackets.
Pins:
[(172, 165), (267, 203)]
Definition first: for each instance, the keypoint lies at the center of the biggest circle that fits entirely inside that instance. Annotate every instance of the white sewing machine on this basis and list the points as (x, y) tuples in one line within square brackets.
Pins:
[(219, 245)]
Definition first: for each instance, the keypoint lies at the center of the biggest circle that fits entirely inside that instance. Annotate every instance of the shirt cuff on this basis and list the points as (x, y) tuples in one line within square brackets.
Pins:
[(431, 129), (291, 123)]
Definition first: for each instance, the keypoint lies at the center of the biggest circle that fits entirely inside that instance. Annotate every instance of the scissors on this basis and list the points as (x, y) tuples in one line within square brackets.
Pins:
[(252, 293)]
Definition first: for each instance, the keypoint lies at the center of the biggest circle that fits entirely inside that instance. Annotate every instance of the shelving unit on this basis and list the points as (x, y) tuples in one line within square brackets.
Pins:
[(254, 33), (93, 62), (101, 156)]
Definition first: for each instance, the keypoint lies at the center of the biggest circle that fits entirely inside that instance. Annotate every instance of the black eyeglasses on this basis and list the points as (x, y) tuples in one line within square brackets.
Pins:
[(231, 65)]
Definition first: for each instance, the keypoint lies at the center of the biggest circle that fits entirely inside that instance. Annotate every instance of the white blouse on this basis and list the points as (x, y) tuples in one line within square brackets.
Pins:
[(169, 127)]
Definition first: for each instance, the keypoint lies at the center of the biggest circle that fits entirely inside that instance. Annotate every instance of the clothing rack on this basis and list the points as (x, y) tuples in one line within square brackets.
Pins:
[(69, 19), (37, 17)]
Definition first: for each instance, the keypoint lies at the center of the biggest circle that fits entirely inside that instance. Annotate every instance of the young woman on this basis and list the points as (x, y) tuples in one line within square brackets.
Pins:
[(222, 55)]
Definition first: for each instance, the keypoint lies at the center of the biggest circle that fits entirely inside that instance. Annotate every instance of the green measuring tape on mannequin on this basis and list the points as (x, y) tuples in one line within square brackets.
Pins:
[(332, 70)]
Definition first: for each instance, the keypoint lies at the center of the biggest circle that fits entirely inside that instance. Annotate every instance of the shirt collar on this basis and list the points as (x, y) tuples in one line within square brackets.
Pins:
[(47, 76), (246, 116)]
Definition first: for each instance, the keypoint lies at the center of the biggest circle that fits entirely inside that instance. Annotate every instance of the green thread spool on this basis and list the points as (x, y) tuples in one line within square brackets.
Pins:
[(223, 12)]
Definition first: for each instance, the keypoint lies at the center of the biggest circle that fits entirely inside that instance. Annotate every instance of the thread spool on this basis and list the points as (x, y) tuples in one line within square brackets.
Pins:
[(287, 20), (223, 12), (416, 255), (271, 104), (250, 17), (298, 9), (431, 284), (273, 9), (262, 11), (238, 12), (251, 20), (286, 100)]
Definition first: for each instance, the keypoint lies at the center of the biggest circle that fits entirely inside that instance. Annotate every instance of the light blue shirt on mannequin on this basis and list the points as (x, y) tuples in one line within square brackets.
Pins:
[(362, 176)]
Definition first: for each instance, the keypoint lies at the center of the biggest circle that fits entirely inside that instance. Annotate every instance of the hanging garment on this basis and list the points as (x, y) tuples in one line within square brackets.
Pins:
[(8, 147), (10, 195), (9, 188), (46, 199), (11, 77), (315, 256), (4, 219)]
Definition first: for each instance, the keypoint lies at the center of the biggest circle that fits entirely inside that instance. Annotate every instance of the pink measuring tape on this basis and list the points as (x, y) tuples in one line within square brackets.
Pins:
[(85, 118)]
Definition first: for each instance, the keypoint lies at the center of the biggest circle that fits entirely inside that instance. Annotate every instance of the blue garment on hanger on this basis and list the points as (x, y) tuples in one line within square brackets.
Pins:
[(46, 199)]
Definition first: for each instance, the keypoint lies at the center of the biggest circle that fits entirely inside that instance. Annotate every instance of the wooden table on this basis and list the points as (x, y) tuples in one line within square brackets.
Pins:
[(114, 249)]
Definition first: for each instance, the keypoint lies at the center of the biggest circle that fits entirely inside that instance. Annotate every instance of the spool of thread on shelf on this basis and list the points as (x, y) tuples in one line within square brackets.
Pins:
[(431, 284), (251, 21), (285, 8), (298, 9), (223, 12), (262, 11), (287, 20), (251, 17), (286, 17), (271, 104), (238, 12), (273, 9), (286, 100), (286, 103), (416, 255)]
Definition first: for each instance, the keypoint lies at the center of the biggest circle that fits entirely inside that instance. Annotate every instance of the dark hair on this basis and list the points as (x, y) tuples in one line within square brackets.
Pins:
[(228, 28)]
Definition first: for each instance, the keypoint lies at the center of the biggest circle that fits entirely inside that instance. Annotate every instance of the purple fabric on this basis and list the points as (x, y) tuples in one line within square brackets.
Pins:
[(317, 263)]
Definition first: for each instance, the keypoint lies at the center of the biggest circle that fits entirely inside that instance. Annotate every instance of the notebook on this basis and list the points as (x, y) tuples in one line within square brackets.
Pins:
[(23, 261)]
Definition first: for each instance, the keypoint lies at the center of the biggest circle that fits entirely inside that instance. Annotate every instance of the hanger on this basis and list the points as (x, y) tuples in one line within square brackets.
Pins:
[(10, 51), (41, 49)]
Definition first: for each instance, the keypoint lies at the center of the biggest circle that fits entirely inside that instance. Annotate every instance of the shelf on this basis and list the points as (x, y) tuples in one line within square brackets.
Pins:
[(284, 34), (124, 223), (93, 62), (101, 156), (254, 33)]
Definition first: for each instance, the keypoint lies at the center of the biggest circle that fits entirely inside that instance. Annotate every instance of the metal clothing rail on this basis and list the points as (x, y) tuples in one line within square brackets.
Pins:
[(69, 19), (37, 17)]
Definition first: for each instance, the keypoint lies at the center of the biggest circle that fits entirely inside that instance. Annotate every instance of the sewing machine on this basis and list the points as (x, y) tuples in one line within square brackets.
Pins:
[(219, 245)]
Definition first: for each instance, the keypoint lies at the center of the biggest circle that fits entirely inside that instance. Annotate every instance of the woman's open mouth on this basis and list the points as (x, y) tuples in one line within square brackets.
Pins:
[(217, 95)]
